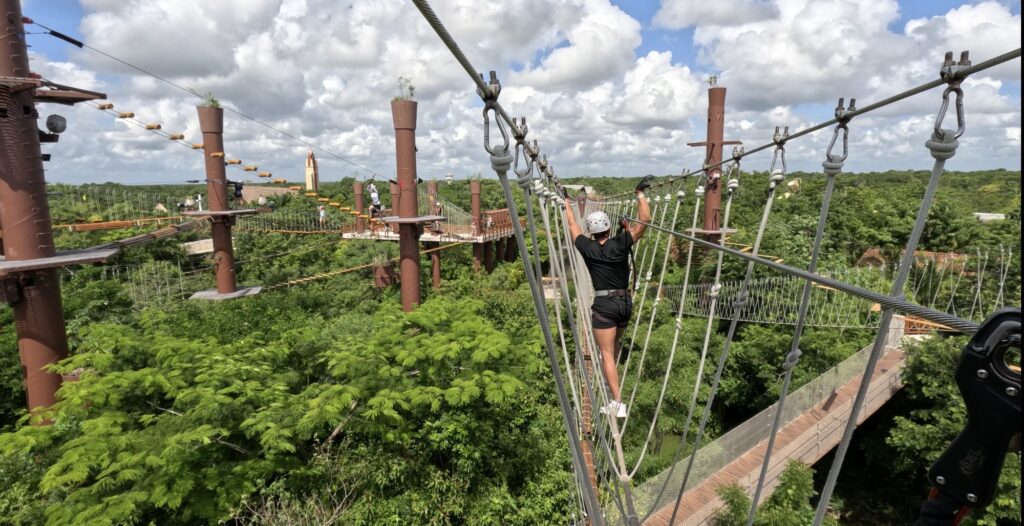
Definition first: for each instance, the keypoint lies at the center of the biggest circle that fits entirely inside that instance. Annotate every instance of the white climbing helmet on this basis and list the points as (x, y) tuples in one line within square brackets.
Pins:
[(598, 222)]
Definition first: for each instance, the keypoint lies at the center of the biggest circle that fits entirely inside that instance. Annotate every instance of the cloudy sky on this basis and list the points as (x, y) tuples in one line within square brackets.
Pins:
[(609, 87)]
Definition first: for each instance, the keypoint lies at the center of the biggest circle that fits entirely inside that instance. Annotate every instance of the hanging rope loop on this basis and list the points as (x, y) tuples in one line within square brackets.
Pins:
[(792, 358)]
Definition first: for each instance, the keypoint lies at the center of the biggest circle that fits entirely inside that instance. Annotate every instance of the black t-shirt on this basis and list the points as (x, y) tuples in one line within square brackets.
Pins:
[(608, 263)]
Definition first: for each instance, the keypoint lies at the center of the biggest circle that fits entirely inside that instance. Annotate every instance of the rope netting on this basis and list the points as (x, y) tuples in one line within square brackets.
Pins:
[(605, 471)]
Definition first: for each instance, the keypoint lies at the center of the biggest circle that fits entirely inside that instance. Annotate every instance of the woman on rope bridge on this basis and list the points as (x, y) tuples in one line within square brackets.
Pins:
[(607, 258)]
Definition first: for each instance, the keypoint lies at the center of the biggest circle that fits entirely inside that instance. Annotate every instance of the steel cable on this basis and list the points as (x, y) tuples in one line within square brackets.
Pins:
[(942, 145)]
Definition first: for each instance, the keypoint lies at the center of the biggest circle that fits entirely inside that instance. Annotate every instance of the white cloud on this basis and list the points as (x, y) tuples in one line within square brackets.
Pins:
[(678, 14), (1013, 136), (326, 72), (599, 45)]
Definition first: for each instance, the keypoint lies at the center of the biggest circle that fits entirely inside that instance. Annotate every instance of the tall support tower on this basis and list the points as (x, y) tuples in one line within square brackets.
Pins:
[(222, 217), (403, 113), (28, 268), (714, 145)]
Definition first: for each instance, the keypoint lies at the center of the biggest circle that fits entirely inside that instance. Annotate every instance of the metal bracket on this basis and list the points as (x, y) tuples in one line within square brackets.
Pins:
[(951, 70), (968, 470)]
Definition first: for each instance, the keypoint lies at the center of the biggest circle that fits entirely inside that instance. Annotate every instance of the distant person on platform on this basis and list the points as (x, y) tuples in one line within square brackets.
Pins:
[(375, 206), (607, 258)]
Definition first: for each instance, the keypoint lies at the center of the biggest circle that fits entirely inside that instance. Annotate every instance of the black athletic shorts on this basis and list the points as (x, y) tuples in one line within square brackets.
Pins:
[(609, 312)]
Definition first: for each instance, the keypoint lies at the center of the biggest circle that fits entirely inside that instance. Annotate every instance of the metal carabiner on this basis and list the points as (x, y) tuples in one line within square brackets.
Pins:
[(490, 98), (832, 143), (488, 109), (519, 133), (961, 123)]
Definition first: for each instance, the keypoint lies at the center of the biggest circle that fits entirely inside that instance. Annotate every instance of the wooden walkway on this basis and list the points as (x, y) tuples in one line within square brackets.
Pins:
[(807, 438)]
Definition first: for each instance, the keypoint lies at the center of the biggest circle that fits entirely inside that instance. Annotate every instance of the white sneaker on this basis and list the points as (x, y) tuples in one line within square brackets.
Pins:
[(618, 408)]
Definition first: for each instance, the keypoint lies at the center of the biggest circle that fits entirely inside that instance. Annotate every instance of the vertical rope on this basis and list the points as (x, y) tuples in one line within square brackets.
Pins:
[(833, 166), (942, 146), (671, 359), (654, 313), (740, 301), (501, 162)]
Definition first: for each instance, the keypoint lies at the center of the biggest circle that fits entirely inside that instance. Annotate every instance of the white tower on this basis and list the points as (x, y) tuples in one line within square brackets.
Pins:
[(312, 174)]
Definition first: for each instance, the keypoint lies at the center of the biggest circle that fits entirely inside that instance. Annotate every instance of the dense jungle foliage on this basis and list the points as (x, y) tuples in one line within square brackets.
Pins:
[(323, 403)]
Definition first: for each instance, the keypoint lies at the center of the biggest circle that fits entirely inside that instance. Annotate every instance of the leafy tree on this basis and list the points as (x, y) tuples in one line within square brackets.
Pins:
[(789, 505)]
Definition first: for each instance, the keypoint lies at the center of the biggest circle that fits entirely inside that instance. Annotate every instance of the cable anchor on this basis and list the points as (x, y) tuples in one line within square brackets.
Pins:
[(490, 99), (834, 163), (952, 73), (525, 174), (779, 138)]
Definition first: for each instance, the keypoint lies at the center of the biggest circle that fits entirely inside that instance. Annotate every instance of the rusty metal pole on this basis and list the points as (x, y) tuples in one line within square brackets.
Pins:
[(499, 250), (716, 137), (488, 256), (359, 205), (435, 265), (211, 123), (581, 204), (396, 196), (25, 215), (403, 113), (478, 226), (714, 145), (511, 250), (432, 197)]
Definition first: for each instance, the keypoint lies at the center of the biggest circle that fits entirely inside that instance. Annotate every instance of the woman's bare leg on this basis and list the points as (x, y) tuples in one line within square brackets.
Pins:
[(606, 340)]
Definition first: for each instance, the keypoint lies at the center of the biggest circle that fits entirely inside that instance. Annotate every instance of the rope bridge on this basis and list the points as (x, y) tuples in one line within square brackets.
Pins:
[(605, 486)]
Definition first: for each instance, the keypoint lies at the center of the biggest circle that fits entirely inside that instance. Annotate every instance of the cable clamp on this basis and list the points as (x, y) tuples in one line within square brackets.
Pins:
[(716, 289)]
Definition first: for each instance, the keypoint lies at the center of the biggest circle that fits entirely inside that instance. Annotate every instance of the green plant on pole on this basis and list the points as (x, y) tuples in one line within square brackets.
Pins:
[(406, 89)]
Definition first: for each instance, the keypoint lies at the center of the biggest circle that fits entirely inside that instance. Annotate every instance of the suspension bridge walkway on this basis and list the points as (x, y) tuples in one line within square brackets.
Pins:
[(812, 426)]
